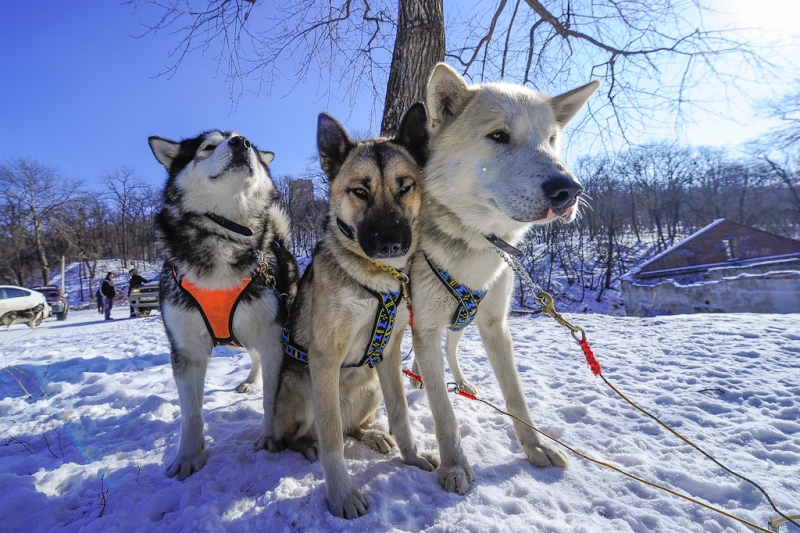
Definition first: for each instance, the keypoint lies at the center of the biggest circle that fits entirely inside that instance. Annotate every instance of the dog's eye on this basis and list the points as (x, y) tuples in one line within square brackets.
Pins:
[(209, 148), (406, 189), (361, 193), (499, 136)]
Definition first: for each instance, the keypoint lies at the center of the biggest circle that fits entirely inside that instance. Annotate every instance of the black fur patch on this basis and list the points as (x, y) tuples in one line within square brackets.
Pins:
[(413, 134), (187, 238)]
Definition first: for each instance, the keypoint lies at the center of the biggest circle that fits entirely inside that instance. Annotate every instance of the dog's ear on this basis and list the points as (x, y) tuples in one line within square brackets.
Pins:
[(413, 133), (447, 94), (266, 157), (566, 106), (164, 150), (333, 143)]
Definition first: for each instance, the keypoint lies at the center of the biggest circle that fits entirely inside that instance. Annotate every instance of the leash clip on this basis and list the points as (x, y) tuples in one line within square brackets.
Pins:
[(263, 269), (548, 307)]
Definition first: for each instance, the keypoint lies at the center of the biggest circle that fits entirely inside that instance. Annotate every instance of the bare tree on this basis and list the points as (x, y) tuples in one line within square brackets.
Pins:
[(787, 111), (13, 242), (123, 190), (653, 54), (41, 195), (790, 178), (85, 230)]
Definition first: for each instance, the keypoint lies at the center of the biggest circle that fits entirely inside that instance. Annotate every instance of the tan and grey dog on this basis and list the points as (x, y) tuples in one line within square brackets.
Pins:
[(346, 325), (493, 172)]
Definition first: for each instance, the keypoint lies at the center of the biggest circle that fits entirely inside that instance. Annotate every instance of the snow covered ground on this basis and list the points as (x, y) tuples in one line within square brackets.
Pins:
[(89, 418)]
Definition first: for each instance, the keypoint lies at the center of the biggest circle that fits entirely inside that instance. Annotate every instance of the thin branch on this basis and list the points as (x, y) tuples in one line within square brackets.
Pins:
[(486, 38), (508, 36)]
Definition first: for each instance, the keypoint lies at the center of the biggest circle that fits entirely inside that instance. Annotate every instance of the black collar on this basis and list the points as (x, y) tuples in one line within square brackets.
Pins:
[(230, 225), (346, 230), (503, 245)]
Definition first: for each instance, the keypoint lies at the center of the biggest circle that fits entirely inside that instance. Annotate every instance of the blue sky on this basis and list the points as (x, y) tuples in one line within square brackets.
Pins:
[(80, 93)]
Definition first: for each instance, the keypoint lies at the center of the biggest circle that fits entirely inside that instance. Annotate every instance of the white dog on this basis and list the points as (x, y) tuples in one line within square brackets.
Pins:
[(494, 171)]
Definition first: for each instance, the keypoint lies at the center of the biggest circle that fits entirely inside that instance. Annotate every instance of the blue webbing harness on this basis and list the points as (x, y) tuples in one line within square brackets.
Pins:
[(381, 332), (468, 300)]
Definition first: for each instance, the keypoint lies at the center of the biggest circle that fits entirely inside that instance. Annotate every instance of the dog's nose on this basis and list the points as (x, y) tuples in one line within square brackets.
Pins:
[(239, 142), (388, 245), (561, 190), (390, 249)]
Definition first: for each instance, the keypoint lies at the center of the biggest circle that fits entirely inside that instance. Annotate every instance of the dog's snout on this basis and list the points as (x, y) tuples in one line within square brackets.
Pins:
[(381, 239), (561, 190), (239, 142)]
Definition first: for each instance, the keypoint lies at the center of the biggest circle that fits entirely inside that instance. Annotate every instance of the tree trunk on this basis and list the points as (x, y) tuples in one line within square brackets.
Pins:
[(124, 238), (609, 262), (419, 45), (40, 251)]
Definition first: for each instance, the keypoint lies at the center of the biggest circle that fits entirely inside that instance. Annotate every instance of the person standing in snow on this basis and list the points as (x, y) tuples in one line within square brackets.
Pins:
[(136, 280), (108, 291)]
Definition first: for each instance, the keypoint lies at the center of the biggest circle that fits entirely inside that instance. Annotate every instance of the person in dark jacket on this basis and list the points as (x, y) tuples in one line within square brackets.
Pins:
[(136, 280), (108, 291)]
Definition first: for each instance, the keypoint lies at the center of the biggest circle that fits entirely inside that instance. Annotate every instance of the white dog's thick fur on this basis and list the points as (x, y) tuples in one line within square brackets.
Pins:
[(494, 170)]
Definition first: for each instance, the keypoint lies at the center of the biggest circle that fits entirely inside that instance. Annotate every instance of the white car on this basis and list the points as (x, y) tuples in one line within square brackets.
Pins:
[(19, 305), (144, 298)]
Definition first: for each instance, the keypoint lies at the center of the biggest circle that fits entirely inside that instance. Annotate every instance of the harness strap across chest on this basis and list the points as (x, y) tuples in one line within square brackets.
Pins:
[(468, 299), (381, 332), (216, 307)]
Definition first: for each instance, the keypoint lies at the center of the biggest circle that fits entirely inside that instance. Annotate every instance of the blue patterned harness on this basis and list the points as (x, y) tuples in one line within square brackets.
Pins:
[(468, 300), (381, 332)]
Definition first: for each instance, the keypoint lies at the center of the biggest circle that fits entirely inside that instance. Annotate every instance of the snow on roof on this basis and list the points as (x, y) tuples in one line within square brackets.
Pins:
[(629, 276)]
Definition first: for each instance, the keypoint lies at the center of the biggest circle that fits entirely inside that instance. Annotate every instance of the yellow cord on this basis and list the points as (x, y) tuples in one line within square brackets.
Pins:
[(624, 473)]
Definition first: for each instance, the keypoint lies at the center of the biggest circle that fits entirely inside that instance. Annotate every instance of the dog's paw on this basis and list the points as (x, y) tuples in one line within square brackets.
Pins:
[(424, 461), (185, 466), (310, 453), (544, 454), (348, 503), (271, 444), (415, 384), (246, 386), (456, 478), (468, 387), (378, 440)]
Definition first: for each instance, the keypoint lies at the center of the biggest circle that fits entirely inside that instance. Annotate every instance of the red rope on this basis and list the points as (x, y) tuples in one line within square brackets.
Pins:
[(465, 394), (412, 375), (589, 354)]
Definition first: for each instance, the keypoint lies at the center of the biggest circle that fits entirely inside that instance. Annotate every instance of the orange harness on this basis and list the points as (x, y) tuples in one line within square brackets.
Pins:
[(216, 307)]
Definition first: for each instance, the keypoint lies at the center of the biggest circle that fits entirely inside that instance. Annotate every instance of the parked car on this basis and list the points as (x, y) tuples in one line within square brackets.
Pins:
[(57, 301), (19, 305), (144, 298)]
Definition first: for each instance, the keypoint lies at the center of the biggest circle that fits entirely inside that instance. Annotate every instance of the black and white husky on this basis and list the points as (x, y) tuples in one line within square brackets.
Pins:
[(227, 276)]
